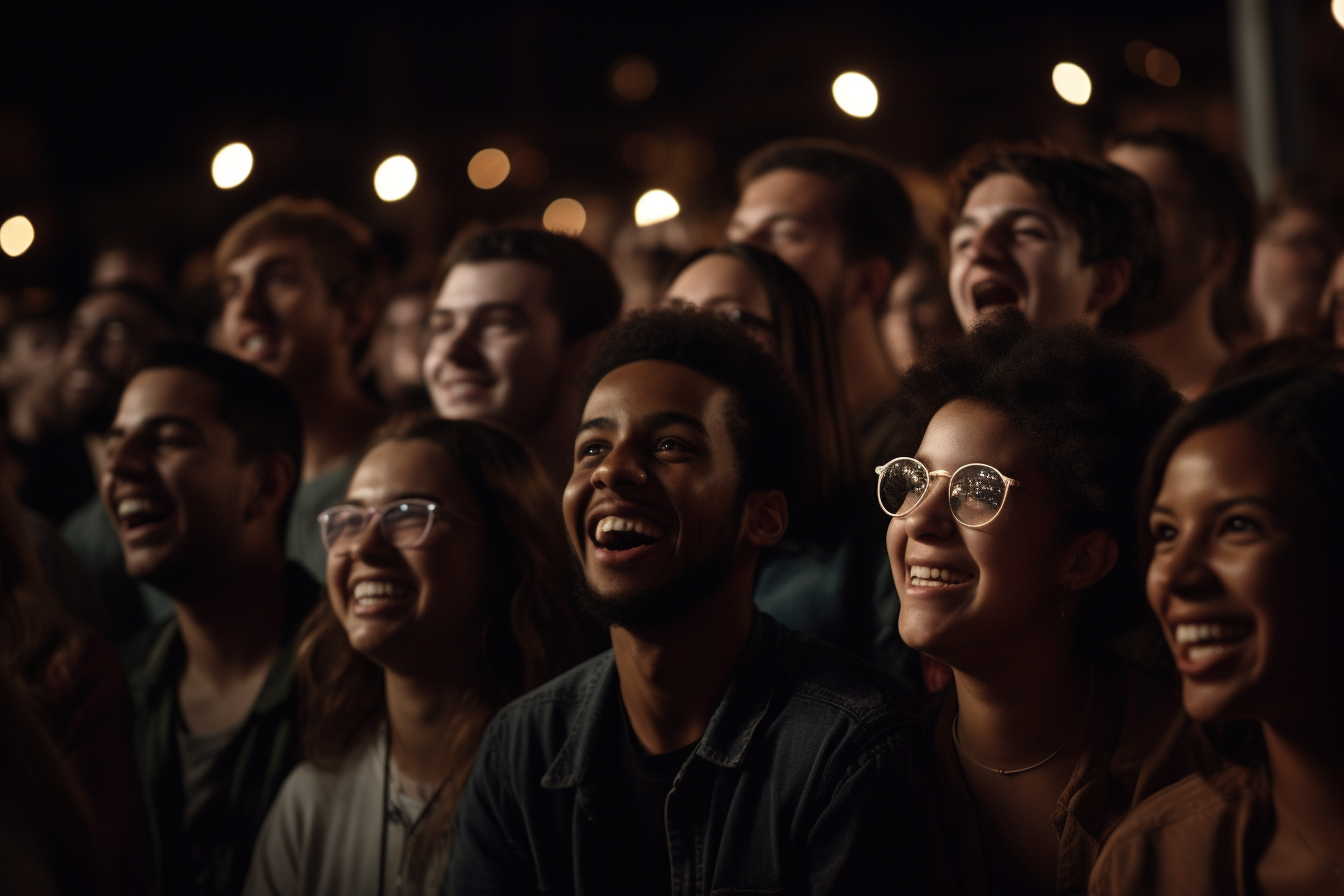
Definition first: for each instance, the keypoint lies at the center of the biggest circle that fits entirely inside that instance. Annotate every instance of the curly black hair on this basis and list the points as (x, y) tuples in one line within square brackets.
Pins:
[(766, 421), (1089, 405)]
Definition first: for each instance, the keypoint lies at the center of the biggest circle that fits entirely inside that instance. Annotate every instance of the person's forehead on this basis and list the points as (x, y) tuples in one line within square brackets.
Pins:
[(100, 306), (403, 467), (471, 284), (646, 389), (1224, 459), (1005, 193), (170, 392), (713, 276), (965, 431), (787, 191), (1158, 167), (270, 249)]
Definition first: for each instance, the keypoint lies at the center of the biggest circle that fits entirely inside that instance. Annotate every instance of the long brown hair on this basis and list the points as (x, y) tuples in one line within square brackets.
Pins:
[(531, 631)]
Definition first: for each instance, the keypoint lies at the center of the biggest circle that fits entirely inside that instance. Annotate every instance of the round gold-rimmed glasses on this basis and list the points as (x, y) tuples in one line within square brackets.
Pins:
[(975, 492)]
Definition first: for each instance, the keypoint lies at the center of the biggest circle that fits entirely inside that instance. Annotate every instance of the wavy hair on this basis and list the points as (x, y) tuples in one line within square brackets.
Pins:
[(531, 631)]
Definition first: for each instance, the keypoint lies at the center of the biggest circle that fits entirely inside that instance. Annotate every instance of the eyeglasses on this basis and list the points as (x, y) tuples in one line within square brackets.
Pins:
[(976, 492), (404, 524)]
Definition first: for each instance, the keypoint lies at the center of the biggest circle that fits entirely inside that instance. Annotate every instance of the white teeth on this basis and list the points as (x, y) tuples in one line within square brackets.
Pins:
[(620, 524), (1199, 652), (128, 506), (924, 576), (1201, 632), (254, 343), (379, 592)]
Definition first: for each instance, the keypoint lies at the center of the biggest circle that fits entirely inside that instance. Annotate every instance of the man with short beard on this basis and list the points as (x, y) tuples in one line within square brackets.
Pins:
[(711, 749)]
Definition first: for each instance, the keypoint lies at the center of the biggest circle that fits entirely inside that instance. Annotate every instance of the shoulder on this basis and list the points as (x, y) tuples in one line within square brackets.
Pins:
[(1181, 839), (145, 654), (816, 673), (546, 713)]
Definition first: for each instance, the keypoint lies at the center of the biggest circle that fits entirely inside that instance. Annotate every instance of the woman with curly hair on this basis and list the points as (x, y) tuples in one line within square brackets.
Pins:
[(1014, 550), (448, 584), (1242, 498)]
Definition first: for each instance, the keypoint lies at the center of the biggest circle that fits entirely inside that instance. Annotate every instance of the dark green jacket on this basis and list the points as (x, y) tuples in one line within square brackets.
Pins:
[(212, 858)]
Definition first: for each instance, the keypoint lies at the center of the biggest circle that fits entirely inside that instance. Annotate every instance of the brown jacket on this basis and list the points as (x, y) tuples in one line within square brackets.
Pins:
[(1130, 717), (1202, 835)]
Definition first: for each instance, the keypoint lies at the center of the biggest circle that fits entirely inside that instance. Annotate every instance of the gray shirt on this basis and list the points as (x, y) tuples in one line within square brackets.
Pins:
[(324, 831)]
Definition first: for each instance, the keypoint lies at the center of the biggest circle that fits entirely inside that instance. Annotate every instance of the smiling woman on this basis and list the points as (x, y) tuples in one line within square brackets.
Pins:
[(448, 595), (1244, 487), (1013, 548)]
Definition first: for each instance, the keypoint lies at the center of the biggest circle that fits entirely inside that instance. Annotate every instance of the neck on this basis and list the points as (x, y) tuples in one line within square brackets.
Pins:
[(869, 379), (672, 678), (1307, 780), (1186, 348), (422, 716), (337, 420), (232, 616), (1014, 713)]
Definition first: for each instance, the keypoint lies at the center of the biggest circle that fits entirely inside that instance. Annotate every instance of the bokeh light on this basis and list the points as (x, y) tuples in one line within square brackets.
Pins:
[(232, 165), (1162, 67), (1136, 57), (16, 235), (1337, 10), (1072, 83), (394, 179), (488, 168), (565, 216), (855, 94), (655, 207), (633, 78)]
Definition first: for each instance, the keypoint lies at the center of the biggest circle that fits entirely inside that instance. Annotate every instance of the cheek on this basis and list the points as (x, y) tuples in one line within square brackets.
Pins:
[(896, 541), (338, 566)]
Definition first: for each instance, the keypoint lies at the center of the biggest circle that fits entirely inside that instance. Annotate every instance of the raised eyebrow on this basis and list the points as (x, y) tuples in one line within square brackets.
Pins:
[(595, 424), (667, 418), (171, 420)]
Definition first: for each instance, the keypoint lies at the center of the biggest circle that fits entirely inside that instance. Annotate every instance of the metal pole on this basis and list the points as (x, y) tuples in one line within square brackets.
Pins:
[(1266, 57)]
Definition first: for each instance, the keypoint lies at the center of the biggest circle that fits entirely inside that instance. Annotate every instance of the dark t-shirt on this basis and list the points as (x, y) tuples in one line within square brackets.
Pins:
[(643, 865)]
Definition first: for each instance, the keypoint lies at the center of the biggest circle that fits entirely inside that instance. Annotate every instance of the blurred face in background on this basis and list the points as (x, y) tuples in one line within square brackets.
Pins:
[(1289, 268), (725, 284), (278, 315), (1332, 303), (918, 312), (792, 214), (496, 349), (1011, 248), (109, 337), (399, 344)]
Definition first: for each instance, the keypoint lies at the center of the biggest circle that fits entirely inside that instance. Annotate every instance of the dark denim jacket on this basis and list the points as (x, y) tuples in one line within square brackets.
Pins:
[(800, 783)]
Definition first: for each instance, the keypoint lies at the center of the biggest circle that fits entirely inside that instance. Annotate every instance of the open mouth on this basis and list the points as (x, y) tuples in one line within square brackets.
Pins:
[(260, 344), (620, 534), (137, 513), (990, 294), (373, 596), (936, 577), (1199, 642)]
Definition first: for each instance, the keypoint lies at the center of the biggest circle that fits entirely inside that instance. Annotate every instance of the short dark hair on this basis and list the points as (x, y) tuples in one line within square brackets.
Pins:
[(766, 421), (583, 291), (342, 248), (256, 406), (1111, 208), (1089, 405), (873, 210), (1224, 200)]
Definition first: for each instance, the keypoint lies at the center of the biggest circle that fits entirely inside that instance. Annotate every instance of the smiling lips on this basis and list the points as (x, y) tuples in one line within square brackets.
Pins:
[(1200, 642), (138, 511), (936, 577), (371, 597), (993, 293), (616, 533)]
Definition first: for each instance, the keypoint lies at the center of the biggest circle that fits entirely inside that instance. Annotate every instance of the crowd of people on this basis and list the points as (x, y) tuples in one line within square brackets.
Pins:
[(496, 584)]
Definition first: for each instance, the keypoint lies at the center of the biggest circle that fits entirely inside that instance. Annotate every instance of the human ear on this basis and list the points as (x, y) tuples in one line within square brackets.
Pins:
[(270, 479), (866, 282), (765, 518), (1089, 558), (1110, 279)]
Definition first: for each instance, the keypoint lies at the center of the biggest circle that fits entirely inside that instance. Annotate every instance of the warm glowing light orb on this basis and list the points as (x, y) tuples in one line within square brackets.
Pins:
[(565, 216), (633, 78), (855, 94), (1162, 67), (394, 179), (232, 165), (655, 207), (1072, 83), (488, 168), (1337, 10), (16, 235)]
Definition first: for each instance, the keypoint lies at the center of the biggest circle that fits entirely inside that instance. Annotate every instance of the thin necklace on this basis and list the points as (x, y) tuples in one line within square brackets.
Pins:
[(1006, 772), (382, 846)]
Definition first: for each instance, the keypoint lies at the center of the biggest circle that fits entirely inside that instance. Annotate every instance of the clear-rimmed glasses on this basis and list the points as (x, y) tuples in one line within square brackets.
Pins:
[(975, 492), (404, 524)]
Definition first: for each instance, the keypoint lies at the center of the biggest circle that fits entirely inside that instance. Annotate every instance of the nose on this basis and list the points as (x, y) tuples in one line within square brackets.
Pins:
[(370, 545), (1182, 571), (126, 458), (619, 469), (463, 347), (987, 245), (932, 516)]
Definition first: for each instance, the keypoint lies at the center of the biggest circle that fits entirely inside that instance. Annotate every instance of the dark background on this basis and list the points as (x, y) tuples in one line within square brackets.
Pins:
[(109, 119)]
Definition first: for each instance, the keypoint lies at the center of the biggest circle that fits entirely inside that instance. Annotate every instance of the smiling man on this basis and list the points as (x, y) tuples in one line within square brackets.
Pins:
[(515, 317), (711, 750), (1059, 238), (297, 280), (203, 457)]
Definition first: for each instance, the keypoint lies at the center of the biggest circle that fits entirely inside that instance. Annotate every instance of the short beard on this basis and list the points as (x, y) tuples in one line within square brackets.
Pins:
[(650, 608)]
